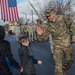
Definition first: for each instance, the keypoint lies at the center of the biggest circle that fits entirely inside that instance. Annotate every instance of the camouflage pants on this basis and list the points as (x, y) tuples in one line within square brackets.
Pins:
[(59, 51)]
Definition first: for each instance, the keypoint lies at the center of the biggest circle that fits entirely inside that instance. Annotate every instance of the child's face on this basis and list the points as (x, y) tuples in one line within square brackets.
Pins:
[(25, 42)]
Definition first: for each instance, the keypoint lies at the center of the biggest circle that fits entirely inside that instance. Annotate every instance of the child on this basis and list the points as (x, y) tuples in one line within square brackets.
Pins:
[(5, 51), (26, 57)]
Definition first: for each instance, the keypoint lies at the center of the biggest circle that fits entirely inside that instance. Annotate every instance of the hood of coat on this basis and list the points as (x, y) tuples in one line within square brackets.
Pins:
[(2, 33)]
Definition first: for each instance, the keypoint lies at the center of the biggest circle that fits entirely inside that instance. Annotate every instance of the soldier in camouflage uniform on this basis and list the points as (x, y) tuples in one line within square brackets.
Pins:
[(17, 32), (58, 28), (25, 29), (30, 32)]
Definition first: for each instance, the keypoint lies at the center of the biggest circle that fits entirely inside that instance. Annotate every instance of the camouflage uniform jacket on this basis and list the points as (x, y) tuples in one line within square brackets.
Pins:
[(59, 30)]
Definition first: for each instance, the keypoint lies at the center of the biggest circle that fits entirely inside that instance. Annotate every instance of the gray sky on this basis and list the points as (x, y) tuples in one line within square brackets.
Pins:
[(24, 7)]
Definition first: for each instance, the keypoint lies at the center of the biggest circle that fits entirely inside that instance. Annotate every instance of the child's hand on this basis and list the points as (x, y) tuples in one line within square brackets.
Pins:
[(39, 62), (21, 69)]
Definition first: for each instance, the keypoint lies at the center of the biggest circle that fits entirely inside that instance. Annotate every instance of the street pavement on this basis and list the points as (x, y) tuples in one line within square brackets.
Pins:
[(41, 51)]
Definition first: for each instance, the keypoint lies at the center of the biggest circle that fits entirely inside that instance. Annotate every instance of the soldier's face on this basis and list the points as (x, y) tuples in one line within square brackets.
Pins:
[(52, 17)]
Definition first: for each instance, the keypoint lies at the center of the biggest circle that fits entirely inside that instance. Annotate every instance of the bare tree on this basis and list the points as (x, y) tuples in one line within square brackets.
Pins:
[(64, 7)]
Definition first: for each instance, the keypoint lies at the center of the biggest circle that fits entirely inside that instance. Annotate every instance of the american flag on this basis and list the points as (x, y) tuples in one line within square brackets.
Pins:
[(9, 11)]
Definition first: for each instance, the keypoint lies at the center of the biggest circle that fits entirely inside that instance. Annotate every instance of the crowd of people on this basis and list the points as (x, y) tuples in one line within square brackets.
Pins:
[(27, 30)]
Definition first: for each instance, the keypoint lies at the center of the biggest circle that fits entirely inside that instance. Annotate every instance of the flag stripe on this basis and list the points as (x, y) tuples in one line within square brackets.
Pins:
[(12, 13), (4, 10), (5, 13), (0, 9), (10, 10), (9, 13), (17, 14)]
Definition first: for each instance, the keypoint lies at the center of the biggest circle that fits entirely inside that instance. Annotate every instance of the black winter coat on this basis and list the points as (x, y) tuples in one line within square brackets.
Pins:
[(27, 60), (5, 51)]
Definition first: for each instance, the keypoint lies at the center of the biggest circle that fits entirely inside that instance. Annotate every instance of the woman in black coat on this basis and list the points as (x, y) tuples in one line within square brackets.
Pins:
[(5, 51)]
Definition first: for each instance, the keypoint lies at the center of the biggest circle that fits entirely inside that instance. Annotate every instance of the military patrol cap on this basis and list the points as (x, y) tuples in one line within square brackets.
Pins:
[(49, 12)]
